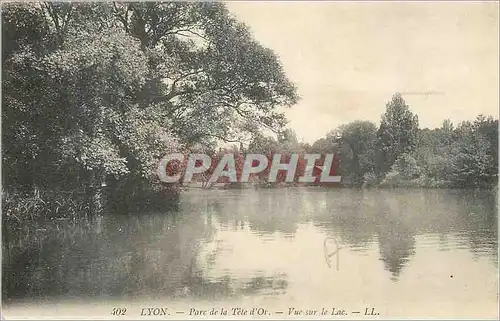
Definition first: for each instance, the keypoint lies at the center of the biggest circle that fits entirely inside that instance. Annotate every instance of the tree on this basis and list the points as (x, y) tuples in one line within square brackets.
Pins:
[(488, 128), (323, 145), (474, 157), (356, 143), (123, 84), (262, 144), (404, 170), (433, 153), (397, 133), (81, 86), (287, 141), (214, 79)]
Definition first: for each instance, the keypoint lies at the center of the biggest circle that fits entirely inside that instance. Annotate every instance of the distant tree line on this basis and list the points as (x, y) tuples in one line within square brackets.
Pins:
[(400, 154)]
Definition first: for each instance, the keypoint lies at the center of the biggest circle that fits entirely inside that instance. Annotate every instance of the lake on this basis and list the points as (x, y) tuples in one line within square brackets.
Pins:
[(386, 253)]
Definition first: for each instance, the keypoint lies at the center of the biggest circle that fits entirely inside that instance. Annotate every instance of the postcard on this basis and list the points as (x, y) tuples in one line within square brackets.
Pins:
[(250, 160)]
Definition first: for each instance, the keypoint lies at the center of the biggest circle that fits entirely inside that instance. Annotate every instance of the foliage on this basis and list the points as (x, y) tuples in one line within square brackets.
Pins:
[(474, 158), (356, 145), (399, 154), (403, 172), (397, 133), (97, 93), (215, 80), (18, 208)]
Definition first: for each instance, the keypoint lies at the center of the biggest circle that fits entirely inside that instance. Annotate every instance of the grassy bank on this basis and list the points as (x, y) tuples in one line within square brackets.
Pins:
[(17, 207), (45, 205)]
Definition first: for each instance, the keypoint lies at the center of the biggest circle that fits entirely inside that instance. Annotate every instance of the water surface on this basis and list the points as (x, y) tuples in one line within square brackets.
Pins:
[(408, 253)]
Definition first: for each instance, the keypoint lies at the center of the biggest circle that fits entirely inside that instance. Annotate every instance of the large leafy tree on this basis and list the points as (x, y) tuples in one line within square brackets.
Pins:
[(212, 77), (288, 141), (434, 150), (474, 156), (101, 91), (324, 145), (79, 113), (356, 144), (397, 134)]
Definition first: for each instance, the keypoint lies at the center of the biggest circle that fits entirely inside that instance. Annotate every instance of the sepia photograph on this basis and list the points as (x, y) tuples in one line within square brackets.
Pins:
[(249, 160)]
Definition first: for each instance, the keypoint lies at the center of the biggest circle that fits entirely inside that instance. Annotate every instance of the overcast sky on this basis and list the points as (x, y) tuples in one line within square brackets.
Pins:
[(348, 58)]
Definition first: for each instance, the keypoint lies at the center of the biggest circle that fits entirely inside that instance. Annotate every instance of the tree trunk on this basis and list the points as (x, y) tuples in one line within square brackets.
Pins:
[(96, 197)]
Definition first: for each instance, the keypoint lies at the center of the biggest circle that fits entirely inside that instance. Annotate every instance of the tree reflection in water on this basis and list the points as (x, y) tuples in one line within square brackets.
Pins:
[(159, 254), (122, 257)]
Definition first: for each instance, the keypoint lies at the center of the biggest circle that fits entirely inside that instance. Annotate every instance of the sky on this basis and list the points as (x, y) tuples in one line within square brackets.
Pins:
[(347, 59)]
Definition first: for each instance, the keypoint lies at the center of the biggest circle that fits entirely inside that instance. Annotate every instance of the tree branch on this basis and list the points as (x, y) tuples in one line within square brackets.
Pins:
[(123, 20), (179, 32), (173, 92)]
